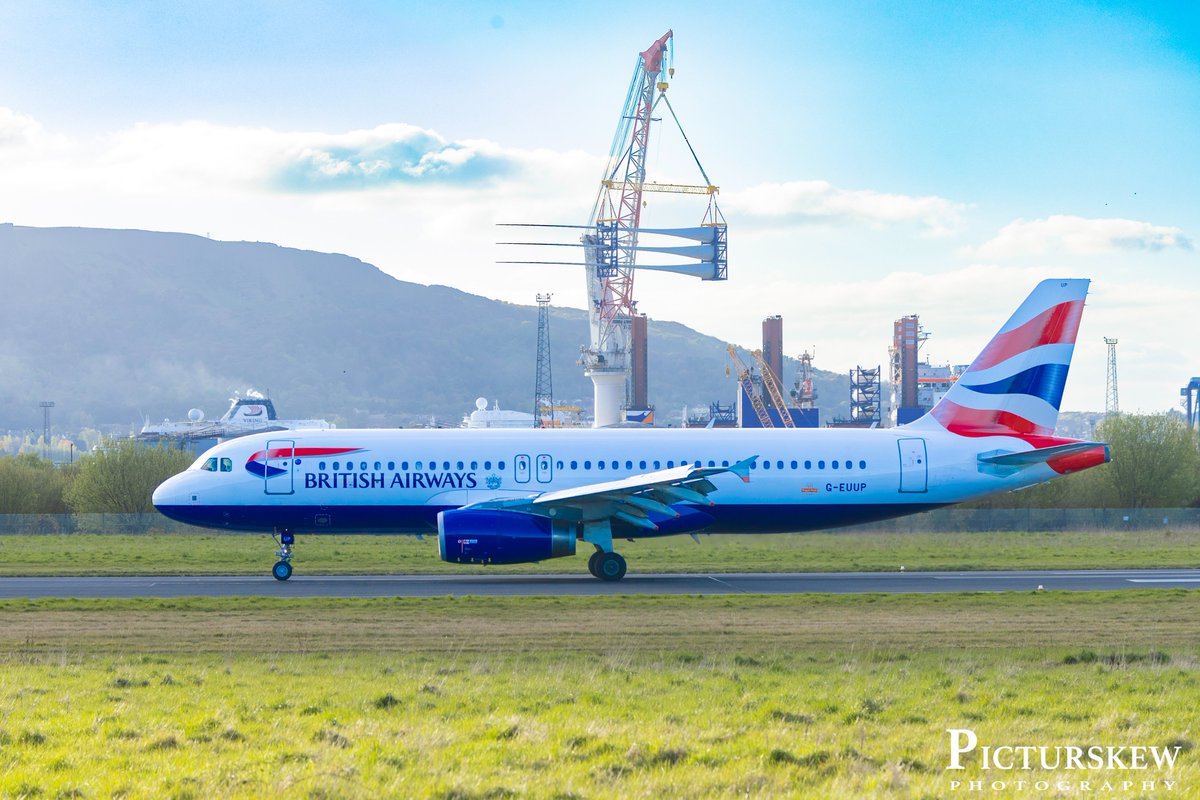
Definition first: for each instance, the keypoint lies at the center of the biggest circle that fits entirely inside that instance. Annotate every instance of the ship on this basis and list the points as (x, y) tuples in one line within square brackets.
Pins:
[(251, 414)]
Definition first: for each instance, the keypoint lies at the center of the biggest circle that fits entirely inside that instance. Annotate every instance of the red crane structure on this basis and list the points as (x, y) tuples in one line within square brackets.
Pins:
[(611, 237)]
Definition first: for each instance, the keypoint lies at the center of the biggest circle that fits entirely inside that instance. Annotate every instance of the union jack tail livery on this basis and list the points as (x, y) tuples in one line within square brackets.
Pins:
[(1015, 386)]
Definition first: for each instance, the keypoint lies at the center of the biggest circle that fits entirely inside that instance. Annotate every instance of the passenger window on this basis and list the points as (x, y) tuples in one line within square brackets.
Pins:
[(767, 464), (808, 465), (641, 465), (336, 466), (794, 465), (862, 465), (696, 464), (628, 465), (616, 465), (574, 465), (415, 466), (404, 466), (226, 465), (559, 465), (391, 466), (474, 465), (210, 465), (670, 465), (599, 465), (835, 464), (321, 466), (378, 466), (657, 464), (820, 465), (778, 465), (446, 466), (460, 466), (500, 464), (712, 463), (487, 465), (587, 465)]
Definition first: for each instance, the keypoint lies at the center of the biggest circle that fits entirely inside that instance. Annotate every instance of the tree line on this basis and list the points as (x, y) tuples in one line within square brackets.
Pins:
[(118, 478), (1156, 464)]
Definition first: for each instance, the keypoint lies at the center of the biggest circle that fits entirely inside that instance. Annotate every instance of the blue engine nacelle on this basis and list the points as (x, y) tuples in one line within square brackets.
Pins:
[(484, 536)]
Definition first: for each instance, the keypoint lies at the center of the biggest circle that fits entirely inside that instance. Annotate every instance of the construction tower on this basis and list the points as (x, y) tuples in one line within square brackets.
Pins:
[(543, 389), (1111, 404)]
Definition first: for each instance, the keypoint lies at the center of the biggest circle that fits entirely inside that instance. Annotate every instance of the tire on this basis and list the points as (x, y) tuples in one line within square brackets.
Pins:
[(593, 563), (610, 567), (282, 570)]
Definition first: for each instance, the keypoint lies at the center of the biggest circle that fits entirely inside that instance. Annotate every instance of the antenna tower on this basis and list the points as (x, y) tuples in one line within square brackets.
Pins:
[(46, 405), (543, 390), (1111, 404)]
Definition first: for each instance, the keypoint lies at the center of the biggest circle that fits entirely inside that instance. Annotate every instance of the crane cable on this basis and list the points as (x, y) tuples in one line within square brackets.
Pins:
[(686, 141)]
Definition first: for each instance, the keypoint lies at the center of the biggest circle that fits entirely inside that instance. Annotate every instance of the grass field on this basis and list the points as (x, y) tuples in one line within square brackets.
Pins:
[(208, 553), (733, 696)]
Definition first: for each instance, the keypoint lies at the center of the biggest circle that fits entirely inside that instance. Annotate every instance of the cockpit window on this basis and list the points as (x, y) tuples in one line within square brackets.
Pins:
[(226, 465), (210, 465)]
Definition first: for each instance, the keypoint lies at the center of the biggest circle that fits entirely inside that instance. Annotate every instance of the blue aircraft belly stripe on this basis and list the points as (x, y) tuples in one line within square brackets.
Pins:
[(783, 518), (1045, 381)]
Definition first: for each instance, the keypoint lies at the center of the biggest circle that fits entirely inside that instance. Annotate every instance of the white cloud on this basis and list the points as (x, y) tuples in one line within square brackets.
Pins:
[(1064, 233), (808, 202), (21, 135)]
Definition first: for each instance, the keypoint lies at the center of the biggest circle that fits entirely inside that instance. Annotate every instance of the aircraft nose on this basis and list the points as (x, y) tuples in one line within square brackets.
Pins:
[(168, 492)]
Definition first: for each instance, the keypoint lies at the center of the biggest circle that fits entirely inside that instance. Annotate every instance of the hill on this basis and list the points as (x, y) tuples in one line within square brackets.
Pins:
[(115, 325)]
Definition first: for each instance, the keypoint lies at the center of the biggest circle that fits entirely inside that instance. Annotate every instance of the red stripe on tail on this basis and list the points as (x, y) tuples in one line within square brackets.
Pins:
[(1057, 325)]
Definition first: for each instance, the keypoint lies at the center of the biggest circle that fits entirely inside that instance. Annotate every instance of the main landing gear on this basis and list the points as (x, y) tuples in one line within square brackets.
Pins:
[(606, 566), (283, 567)]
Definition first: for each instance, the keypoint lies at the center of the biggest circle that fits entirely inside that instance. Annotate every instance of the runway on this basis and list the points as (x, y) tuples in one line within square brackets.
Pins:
[(502, 585)]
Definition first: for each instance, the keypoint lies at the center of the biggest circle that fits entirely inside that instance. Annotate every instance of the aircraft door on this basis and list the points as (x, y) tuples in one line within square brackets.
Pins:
[(521, 468), (544, 468), (914, 466), (278, 469)]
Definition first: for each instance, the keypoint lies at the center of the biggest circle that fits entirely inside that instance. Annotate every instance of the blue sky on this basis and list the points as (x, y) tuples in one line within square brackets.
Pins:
[(875, 159)]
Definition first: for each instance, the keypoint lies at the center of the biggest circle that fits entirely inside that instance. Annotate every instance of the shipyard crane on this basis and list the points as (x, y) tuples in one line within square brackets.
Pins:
[(771, 384), (743, 378), (610, 239)]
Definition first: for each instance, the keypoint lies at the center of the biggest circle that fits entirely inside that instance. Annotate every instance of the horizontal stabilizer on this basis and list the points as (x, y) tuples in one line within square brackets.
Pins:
[(1042, 455)]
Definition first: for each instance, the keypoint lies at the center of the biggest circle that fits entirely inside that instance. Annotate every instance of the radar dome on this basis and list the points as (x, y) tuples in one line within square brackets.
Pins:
[(196, 415), (481, 403)]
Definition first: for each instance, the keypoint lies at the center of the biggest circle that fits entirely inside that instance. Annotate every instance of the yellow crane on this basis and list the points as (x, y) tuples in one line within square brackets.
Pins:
[(774, 389), (743, 377)]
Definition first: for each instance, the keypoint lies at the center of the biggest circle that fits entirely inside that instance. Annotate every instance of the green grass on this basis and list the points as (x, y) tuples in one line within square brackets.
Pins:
[(807, 696), (208, 553)]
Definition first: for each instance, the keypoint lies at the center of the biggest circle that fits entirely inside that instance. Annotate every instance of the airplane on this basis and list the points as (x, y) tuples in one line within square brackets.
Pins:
[(519, 496)]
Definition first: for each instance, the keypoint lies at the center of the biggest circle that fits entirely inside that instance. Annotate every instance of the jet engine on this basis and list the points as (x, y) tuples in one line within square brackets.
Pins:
[(484, 536)]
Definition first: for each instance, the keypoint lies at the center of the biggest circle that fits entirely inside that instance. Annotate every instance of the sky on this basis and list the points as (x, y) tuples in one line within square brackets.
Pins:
[(874, 159)]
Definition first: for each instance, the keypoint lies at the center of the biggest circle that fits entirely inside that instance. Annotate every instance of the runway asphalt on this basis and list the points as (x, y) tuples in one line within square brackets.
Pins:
[(543, 585)]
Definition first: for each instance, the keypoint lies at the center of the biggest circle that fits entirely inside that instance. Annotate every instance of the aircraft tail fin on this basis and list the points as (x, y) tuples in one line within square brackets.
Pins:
[(1015, 386)]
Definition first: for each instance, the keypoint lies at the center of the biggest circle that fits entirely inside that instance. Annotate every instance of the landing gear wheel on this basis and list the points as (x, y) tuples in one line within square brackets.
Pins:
[(593, 563), (610, 567), (282, 570)]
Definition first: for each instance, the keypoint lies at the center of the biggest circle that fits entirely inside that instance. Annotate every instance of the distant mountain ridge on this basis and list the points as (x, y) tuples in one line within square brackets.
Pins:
[(114, 325)]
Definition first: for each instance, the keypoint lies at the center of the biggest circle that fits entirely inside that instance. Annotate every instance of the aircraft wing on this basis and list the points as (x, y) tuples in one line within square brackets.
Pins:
[(630, 500)]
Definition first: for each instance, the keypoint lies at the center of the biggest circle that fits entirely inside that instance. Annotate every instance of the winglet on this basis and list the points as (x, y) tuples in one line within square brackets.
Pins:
[(742, 468)]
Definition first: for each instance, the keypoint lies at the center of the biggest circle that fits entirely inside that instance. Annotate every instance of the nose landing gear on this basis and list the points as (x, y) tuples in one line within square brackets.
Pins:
[(283, 567)]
